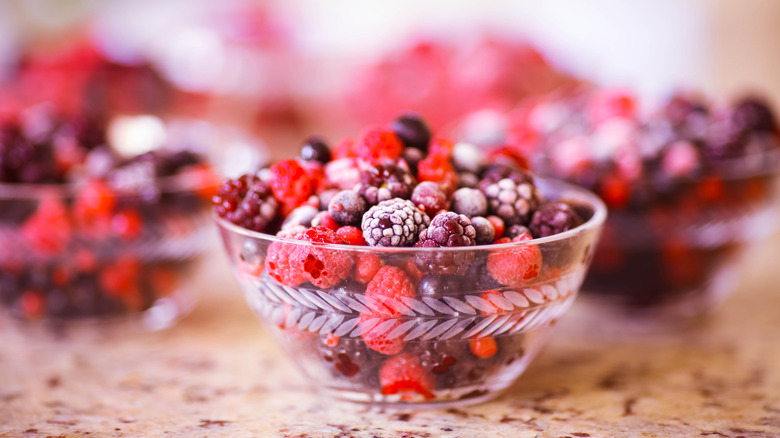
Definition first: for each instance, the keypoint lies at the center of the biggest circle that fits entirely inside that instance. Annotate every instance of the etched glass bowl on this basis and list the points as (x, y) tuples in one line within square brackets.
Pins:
[(458, 338)]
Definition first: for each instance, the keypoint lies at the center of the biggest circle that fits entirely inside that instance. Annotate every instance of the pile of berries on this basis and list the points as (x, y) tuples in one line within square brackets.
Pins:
[(79, 237), (398, 186), (667, 176)]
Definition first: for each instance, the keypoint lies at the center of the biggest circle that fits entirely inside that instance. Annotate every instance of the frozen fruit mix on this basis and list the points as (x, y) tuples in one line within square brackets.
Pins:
[(392, 204), (681, 181), (83, 226)]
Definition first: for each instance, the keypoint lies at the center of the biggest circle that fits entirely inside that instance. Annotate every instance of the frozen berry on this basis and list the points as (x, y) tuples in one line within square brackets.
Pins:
[(290, 183), (48, 230), (430, 198), (446, 230), (498, 225), (351, 235), (387, 180), (301, 216), (412, 131), (486, 232), (516, 230), (347, 207), (324, 219), (366, 266), (512, 201), (404, 374), (553, 218), (246, 202), (395, 222), (435, 285), (389, 285), (753, 114), (343, 173), (470, 202), (516, 265), (483, 348), (280, 259), (467, 157), (468, 179), (323, 267), (437, 168), (378, 144), (412, 157), (315, 149)]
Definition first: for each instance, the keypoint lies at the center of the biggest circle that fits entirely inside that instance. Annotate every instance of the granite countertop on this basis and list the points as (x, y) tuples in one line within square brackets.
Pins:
[(217, 374)]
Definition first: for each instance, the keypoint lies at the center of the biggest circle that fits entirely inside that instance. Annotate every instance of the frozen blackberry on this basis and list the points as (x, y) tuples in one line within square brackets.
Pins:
[(446, 230), (395, 222), (470, 202), (385, 181), (315, 149), (754, 115), (430, 198), (486, 232), (516, 230), (247, 202), (412, 131), (553, 218), (511, 200), (498, 171), (347, 208)]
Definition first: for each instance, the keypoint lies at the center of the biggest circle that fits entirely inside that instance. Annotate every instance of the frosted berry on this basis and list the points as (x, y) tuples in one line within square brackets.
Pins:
[(246, 202), (516, 265), (387, 180), (290, 183), (301, 216), (512, 200), (351, 235), (280, 261), (430, 198), (437, 168), (446, 230), (395, 222), (378, 144), (553, 218), (404, 374), (470, 202), (323, 267), (412, 131), (486, 232), (347, 207), (315, 149)]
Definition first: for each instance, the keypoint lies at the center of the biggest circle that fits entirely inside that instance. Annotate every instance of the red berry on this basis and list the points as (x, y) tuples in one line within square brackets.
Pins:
[(344, 149), (483, 347), (120, 279), (290, 184), (324, 267), (343, 173), (366, 267), (612, 104), (48, 231), (389, 285), (127, 224), (616, 191), (437, 168), (517, 265), (95, 199), (324, 219), (378, 144), (442, 147), (498, 224), (352, 235), (32, 304), (278, 259), (380, 343), (316, 172), (404, 374)]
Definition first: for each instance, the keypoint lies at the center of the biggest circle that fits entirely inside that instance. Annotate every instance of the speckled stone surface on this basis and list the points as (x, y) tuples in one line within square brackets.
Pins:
[(218, 375)]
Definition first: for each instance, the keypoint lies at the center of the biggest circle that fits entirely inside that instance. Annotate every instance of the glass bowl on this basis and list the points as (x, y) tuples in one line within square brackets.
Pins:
[(674, 254), (83, 252), (457, 339)]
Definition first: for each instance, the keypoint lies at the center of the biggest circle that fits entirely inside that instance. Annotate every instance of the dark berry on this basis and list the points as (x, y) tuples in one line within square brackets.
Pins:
[(470, 202), (301, 216), (754, 115), (516, 230), (395, 222), (437, 285), (446, 230), (387, 180), (486, 232), (553, 218), (413, 156), (247, 202), (512, 201), (430, 198), (412, 131), (315, 149), (347, 208)]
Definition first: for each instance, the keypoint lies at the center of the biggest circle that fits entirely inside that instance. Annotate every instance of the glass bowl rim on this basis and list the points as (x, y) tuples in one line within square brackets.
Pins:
[(586, 196)]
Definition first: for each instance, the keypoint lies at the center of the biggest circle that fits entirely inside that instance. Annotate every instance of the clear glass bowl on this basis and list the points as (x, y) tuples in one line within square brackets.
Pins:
[(463, 338), (674, 254), (73, 252)]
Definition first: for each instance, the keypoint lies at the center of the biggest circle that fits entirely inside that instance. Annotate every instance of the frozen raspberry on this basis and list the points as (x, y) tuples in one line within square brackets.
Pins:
[(378, 144), (343, 173), (343, 149), (127, 224), (430, 198), (291, 185), (352, 235), (412, 131), (486, 232), (246, 202), (347, 207), (48, 230), (323, 267), (517, 265), (279, 261), (516, 230), (437, 168), (385, 181), (470, 202), (395, 222), (324, 219), (366, 267), (379, 342), (511, 200), (316, 172), (315, 149), (446, 230), (553, 218), (404, 374), (681, 158), (609, 104), (388, 285)]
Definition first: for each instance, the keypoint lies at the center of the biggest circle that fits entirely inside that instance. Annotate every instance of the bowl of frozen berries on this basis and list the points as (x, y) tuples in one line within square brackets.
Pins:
[(99, 221), (391, 278), (689, 186)]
